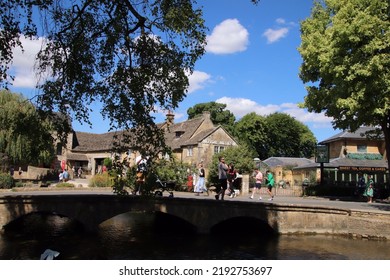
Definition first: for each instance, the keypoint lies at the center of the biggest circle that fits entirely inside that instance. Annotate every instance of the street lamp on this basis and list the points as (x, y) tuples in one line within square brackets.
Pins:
[(257, 162)]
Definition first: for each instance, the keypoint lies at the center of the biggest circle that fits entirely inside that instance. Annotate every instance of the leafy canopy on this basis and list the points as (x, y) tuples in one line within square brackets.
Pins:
[(219, 115), (346, 63), (276, 135), (131, 56), (24, 137)]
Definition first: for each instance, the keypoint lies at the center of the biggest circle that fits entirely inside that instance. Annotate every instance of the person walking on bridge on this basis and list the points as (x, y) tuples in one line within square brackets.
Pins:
[(270, 181), (222, 176), (258, 181)]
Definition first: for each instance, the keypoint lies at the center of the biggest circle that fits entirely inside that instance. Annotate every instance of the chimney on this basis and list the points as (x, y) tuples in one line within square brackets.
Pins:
[(170, 117), (206, 114)]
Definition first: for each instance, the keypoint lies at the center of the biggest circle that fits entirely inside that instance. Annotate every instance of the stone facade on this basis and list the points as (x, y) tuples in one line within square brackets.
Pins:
[(192, 141)]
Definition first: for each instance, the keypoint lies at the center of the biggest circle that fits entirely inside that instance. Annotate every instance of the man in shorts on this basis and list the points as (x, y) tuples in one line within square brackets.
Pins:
[(258, 181)]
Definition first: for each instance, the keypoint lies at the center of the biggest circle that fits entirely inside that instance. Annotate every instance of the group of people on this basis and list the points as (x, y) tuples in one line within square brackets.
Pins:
[(227, 174), (269, 183), (63, 176)]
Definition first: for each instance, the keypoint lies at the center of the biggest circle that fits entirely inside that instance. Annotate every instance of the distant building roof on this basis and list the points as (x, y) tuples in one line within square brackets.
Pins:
[(92, 142), (337, 162), (287, 161), (360, 133)]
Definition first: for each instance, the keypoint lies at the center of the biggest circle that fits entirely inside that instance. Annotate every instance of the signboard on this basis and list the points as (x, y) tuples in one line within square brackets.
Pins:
[(322, 154), (362, 169)]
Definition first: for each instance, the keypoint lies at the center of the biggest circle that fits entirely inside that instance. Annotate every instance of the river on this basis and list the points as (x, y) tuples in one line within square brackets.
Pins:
[(139, 236)]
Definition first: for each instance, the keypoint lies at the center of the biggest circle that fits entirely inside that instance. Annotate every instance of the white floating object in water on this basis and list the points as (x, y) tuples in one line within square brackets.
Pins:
[(49, 254)]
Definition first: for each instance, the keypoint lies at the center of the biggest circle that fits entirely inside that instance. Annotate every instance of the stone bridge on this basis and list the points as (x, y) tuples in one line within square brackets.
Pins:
[(203, 214)]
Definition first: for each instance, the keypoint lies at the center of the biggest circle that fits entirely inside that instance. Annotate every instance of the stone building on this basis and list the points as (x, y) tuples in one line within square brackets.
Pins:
[(351, 153), (192, 141)]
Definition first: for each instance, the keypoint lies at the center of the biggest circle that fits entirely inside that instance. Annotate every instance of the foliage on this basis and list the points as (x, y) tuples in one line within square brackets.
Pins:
[(172, 170), (107, 162), (346, 60), (101, 180), (288, 137), (276, 135), (219, 115), (6, 181), (165, 170), (367, 156), (65, 185), (251, 129), (24, 136), (132, 56), (241, 156)]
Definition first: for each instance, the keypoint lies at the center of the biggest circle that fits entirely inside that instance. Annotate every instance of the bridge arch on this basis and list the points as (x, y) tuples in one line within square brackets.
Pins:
[(40, 224), (243, 226)]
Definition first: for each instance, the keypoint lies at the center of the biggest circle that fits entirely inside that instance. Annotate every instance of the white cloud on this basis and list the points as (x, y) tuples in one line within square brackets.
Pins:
[(198, 80), (23, 63), (242, 106), (228, 37), (281, 21), (274, 35)]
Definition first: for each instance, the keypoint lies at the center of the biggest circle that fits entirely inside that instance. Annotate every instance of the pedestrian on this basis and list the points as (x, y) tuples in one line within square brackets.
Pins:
[(231, 176), (65, 175), (222, 176), (270, 184), (369, 192), (200, 183), (141, 162), (61, 176), (361, 185), (258, 181), (79, 172)]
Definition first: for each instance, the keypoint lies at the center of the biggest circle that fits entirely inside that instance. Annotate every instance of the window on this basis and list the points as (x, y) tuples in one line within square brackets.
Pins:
[(190, 151), (59, 149), (218, 149), (362, 148), (178, 134)]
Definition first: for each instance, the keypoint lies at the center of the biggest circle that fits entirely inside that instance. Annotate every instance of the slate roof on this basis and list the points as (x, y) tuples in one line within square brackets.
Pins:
[(337, 162), (287, 161), (92, 142), (358, 134), (187, 128)]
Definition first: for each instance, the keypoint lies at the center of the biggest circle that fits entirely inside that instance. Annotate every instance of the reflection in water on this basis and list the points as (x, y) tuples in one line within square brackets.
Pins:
[(159, 236)]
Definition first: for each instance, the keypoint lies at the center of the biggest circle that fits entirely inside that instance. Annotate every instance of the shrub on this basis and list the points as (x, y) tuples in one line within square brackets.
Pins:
[(101, 180), (6, 181)]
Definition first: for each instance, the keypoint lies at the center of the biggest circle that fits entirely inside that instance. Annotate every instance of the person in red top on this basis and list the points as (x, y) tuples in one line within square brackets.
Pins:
[(258, 181), (231, 176)]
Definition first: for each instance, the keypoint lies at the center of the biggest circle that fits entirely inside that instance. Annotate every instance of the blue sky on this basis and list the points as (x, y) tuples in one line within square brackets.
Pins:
[(251, 64)]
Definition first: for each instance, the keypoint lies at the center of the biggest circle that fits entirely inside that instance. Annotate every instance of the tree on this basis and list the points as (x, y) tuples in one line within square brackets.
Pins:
[(241, 156), (132, 56), (24, 137), (218, 113), (251, 129), (288, 137), (276, 135), (346, 60)]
